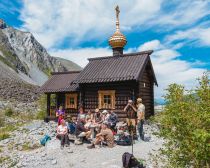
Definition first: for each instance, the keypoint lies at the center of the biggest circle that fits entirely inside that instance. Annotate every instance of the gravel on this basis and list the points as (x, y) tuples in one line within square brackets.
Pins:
[(75, 156)]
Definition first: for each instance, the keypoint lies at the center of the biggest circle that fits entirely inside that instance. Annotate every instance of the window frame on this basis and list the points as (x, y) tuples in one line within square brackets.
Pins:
[(101, 94), (68, 96)]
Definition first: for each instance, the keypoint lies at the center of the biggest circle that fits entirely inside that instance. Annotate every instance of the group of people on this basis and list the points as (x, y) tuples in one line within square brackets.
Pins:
[(99, 127)]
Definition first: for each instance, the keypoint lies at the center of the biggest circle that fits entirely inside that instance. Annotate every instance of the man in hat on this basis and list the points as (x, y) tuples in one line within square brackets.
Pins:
[(105, 116), (105, 136), (141, 117), (131, 117), (97, 118)]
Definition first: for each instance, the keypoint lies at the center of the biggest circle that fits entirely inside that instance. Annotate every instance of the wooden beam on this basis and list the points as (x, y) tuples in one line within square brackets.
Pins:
[(48, 104)]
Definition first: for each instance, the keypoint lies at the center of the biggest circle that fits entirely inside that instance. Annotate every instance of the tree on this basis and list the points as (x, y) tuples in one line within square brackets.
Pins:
[(185, 125)]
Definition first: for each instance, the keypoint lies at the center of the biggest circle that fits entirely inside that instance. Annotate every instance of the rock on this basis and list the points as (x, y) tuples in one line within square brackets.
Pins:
[(6, 141), (53, 162), (43, 154), (20, 148), (70, 151)]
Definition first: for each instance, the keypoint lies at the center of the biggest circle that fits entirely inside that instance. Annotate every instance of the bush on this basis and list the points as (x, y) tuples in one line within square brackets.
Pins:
[(42, 103), (4, 135), (41, 115), (8, 112), (2, 120), (184, 124)]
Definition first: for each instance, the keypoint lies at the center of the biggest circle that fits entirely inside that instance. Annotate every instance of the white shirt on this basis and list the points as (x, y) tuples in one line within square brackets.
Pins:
[(141, 109), (61, 129)]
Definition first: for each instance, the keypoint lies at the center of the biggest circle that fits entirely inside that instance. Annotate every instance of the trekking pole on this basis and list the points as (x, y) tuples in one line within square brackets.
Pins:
[(132, 140)]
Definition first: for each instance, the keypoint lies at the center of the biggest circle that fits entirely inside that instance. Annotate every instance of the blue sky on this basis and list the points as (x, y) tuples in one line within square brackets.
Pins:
[(178, 31)]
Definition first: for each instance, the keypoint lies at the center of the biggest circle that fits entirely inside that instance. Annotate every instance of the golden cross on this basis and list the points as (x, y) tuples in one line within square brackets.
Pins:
[(117, 12)]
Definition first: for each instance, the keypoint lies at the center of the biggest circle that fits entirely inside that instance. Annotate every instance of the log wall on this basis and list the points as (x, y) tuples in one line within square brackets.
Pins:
[(146, 92)]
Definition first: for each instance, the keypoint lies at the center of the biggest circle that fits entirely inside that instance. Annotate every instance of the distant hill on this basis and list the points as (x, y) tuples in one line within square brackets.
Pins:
[(159, 102)]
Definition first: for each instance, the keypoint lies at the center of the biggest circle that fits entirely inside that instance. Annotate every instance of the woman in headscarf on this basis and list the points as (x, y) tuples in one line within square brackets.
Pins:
[(60, 113)]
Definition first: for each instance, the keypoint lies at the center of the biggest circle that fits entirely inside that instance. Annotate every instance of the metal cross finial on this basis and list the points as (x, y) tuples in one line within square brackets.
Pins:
[(117, 12), (117, 9)]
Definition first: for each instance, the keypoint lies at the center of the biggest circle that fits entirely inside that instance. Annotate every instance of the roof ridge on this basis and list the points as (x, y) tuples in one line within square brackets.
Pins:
[(149, 52), (66, 72)]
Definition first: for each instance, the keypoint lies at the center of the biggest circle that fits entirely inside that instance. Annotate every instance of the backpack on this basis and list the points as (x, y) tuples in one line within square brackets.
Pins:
[(129, 161), (124, 140), (44, 140)]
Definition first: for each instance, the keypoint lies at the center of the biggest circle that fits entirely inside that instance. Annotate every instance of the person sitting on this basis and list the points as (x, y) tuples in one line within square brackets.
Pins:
[(60, 114), (62, 134), (82, 132), (112, 120), (105, 136), (105, 116), (72, 125), (81, 114), (97, 118), (89, 116), (80, 127)]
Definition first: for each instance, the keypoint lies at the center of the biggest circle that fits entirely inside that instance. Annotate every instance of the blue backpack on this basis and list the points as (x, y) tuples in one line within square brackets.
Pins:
[(44, 140)]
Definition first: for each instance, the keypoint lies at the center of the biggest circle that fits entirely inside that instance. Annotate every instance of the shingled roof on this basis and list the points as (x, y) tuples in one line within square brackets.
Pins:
[(60, 82), (116, 68)]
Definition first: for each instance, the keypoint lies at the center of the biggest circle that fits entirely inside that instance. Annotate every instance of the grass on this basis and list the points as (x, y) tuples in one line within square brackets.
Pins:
[(9, 112), (41, 115), (4, 135), (9, 57), (27, 147), (3, 159), (4, 131)]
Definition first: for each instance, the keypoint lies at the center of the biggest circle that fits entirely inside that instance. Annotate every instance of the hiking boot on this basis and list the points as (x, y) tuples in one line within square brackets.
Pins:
[(91, 146), (62, 147)]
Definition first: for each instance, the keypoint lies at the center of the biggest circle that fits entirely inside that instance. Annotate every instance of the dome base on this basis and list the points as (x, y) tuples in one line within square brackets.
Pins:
[(117, 51)]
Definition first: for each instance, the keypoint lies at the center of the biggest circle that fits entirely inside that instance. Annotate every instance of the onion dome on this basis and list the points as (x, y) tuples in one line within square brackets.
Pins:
[(117, 40)]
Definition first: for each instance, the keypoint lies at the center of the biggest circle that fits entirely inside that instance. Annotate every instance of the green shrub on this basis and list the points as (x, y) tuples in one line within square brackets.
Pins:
[(8, 112), (42, 103), (2, 120), (185, 124), (41, 115), (4, 135)]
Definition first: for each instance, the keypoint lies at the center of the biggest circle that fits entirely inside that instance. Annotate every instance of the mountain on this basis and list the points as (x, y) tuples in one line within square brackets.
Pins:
[(25, 64), (28, 58)]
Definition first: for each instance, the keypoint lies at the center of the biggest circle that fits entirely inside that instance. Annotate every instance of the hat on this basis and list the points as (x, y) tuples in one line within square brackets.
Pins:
[(139, 100), (96, 110), (106, 123), (104, 112), (130, 101)]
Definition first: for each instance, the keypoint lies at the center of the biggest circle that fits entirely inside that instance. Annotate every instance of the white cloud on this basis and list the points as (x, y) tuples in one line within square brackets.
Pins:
[(151, 45), (80, 56), (52, 22), (181, 13), (170, 69), (197, 36)]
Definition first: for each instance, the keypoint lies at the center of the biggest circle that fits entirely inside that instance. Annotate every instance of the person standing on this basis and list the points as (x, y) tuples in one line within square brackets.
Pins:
[(141, 117), (60, 114), (131, 117)]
